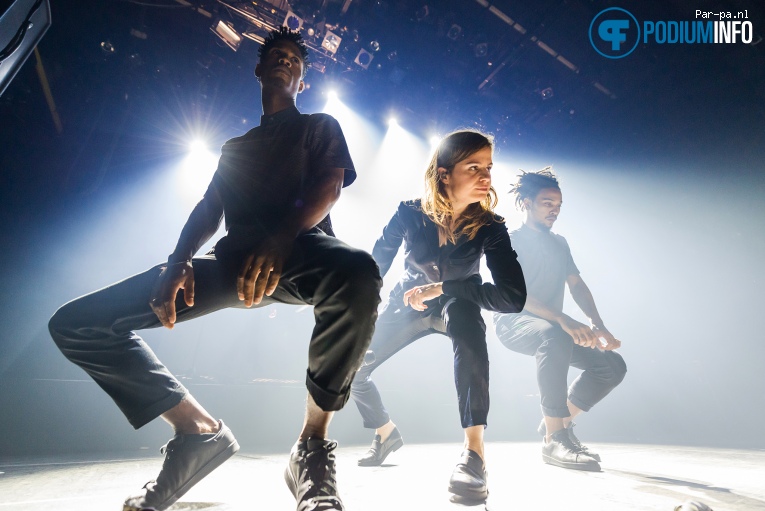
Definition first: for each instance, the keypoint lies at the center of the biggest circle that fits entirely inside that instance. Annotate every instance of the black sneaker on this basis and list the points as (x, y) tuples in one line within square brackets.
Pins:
[(469, 477), (310, 475), (542, 430), (188, 458), (376, 454), (562, 452)]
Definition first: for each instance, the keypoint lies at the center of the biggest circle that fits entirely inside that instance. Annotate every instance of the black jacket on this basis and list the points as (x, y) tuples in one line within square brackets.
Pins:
[(456, 266)]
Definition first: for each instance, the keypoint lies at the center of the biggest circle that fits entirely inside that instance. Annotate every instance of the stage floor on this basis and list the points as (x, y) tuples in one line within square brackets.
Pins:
[(644, 477)]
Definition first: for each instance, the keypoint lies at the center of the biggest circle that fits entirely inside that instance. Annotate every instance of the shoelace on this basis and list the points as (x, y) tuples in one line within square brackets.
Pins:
[(318, 478), (580, 447)]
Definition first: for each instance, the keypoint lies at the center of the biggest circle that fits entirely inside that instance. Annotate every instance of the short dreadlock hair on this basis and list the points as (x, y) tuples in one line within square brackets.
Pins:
[(281, 34), (530, 183)]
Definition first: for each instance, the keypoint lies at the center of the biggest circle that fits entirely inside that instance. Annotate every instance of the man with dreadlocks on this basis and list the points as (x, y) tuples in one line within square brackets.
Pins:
[(275, 186), (557, 341)]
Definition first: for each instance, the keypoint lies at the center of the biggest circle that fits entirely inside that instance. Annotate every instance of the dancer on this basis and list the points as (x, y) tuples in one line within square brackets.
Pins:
[(273, 185), (555, 339), (445, 234)]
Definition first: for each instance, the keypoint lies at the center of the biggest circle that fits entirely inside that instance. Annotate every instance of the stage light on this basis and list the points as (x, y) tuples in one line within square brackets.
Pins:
[(364, 58), (331, 42), (392, 121), (434, 141), (227, 34), (374, 46), (107, 47), (481, 50), (292, 21), (332, 95), (197, 170)]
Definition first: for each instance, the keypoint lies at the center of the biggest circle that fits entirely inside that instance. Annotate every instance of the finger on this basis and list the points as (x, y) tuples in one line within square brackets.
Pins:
[(273, 279), (188, 288), (170, 308), (249, 283), (260, 285), (245, 268), (159, 311)]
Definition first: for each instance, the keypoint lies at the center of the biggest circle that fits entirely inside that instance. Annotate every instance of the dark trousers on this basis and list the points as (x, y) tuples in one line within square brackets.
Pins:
[(555, 351), (399, 326), (97, 331)]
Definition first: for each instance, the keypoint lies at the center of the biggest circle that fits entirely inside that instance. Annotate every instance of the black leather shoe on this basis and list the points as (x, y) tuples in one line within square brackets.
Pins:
[(561, 452), (542, 430), (469, 477), (310, 476), (376, 454)]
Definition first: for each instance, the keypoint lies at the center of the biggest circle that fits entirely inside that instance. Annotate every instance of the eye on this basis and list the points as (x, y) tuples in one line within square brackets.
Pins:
[(295, 60)]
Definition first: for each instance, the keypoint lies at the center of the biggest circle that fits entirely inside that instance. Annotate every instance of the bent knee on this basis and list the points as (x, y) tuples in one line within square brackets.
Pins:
[(619, 368), (360, 271)]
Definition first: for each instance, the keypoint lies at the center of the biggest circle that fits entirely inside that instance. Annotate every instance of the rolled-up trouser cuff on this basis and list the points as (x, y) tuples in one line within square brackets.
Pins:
[(579, 403), (327, 400), (556, 412), (150, 413)]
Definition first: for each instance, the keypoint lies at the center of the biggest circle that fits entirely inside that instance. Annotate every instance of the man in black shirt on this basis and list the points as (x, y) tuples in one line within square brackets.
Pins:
[(556, 340), (275, 186)]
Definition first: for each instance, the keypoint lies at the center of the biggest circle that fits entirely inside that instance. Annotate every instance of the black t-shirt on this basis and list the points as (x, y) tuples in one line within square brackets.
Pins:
[(547, 262), (263, 175)]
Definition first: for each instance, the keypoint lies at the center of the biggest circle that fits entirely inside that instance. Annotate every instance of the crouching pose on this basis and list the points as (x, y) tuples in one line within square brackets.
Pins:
[(444, 235), (275, 185), (556, 340)]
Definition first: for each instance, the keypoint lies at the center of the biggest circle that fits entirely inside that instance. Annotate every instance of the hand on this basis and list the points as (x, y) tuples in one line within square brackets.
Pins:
[(417, 296), (608, 341), (173, 278), (262, 269), (581, 333)]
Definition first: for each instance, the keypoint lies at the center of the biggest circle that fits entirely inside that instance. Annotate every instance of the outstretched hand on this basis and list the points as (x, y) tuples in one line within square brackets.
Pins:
[(173, 278), (417, 296), (262, 269)]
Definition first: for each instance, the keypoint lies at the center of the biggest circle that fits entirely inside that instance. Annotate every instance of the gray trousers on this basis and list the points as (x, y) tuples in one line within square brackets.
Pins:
[(555, 351)]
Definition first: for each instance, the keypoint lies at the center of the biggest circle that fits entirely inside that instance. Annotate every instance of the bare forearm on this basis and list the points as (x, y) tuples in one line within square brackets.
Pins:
[(584, 299), (203, 222)]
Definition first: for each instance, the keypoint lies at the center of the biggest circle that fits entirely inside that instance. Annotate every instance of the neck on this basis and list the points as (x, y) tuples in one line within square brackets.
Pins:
[(536, 227), (458, 209), (273, 103)]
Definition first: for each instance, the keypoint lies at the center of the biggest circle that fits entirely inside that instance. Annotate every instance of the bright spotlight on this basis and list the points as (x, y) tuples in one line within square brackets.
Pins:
[(197, 169), (197, 146), (392, 121), (332, 95), (435, 140)]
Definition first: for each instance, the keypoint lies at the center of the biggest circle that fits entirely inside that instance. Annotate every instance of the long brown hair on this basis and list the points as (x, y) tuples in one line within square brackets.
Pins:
[(452, 149)]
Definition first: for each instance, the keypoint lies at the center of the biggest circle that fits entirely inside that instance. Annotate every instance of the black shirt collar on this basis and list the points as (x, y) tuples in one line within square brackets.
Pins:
[(280, 116)]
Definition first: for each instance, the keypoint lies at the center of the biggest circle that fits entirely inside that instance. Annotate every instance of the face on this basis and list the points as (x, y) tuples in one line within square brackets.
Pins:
[(543, 211), (282, 68), (470, 180)]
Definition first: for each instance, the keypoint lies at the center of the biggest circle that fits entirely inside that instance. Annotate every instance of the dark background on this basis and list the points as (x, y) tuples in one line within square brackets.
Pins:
[(663, 177)]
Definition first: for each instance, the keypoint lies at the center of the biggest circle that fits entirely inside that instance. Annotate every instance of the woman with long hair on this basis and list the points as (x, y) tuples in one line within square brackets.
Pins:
[(445, 233)]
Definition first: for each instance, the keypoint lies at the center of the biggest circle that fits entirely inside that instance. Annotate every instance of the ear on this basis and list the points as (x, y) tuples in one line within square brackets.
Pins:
[(443, 175), (526, 203), (257, 71), (301, 86)]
